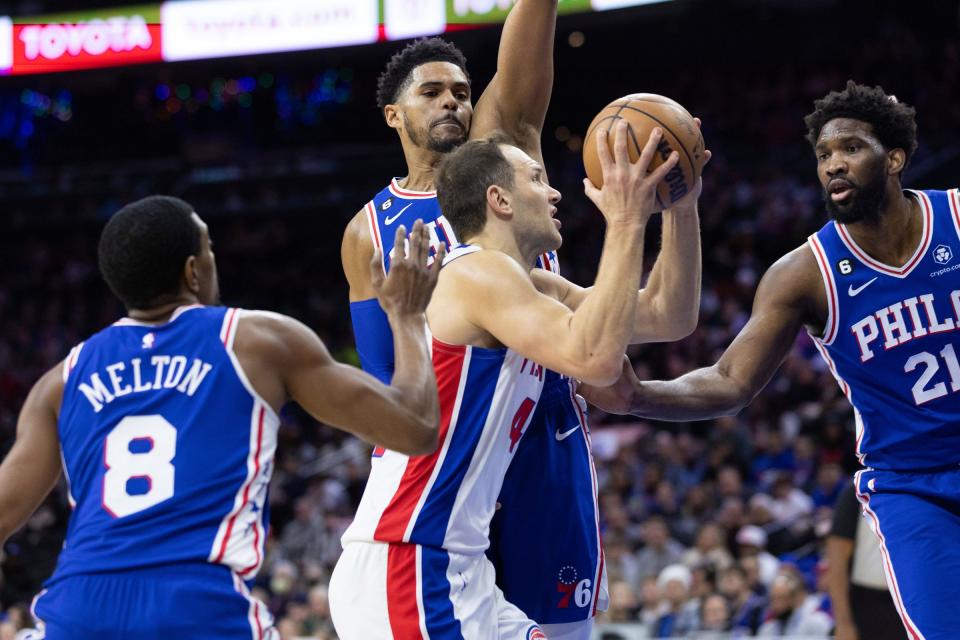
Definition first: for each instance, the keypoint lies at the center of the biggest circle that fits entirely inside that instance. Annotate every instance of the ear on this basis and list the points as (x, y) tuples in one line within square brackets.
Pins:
[(500, 201), (391, 113), (190, 275), (896, 160)]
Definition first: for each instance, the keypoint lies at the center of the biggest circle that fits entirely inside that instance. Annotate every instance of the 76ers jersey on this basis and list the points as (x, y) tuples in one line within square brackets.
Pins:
[(446, 499), (891, 339), (394, 206), (167, 448)]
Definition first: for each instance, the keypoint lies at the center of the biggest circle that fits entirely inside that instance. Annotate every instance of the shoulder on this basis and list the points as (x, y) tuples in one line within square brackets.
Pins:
[(268, 334), (356, 236), (483, 269), (356, 252), (47, 392), (795, 276)]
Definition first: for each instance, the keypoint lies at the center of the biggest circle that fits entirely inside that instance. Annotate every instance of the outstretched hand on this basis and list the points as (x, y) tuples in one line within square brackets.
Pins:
[(407, 289)]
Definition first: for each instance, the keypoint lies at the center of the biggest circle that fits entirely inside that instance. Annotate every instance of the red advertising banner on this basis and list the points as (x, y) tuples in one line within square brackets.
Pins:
[(44, 46)]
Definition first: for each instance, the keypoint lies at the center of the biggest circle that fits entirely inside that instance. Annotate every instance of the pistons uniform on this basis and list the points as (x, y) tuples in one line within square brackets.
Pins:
[(413, 564), (168, 451), (892, 340), (551, 482)]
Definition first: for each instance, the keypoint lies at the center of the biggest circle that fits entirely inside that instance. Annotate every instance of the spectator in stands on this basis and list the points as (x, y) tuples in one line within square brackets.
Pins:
[(649, 601), (709, 548), (831, 481), (678, 614), (659, 551), (714, 618), (621, 563), (318, 622), (752, 543), (623, 603), (790, 613), (747, 606), (790, 504)]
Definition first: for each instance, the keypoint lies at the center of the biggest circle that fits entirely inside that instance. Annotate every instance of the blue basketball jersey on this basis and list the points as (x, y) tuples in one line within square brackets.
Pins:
[(556, 447), (167, 448), (891, 339)]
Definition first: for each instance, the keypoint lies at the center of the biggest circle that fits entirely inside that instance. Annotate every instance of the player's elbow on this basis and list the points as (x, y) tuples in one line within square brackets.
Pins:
[(421, 437), (427, 440), (680, 328), (739, 398), (601, 371)]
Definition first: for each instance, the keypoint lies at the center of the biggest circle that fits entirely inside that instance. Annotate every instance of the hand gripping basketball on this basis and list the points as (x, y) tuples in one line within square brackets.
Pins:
[(406, 290), (629, 192)]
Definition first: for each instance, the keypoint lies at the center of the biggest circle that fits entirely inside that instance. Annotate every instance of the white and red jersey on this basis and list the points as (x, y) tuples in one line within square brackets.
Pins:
[(446, 499)]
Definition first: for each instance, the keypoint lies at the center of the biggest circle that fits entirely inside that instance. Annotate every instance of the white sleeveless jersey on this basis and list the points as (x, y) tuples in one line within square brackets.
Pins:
[(447, 498)]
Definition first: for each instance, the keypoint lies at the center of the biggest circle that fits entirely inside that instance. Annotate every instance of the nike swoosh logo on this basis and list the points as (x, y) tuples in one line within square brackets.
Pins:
[(563, 436), (852, 292), (391, 219)]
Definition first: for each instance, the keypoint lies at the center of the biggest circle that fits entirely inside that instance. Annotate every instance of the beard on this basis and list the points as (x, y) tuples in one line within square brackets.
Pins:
[(425, 138), (866, 202)]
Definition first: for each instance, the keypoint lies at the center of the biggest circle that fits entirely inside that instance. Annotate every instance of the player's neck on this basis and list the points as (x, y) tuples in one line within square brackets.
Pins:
[(894, 237), (504, 242), (421, 169), (161, 313)]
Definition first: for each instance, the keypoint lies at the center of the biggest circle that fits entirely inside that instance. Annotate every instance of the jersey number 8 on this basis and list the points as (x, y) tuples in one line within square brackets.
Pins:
[(150, 462)]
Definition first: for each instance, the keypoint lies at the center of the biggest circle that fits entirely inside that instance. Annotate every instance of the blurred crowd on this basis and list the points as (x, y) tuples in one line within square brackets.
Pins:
[(709, 527)]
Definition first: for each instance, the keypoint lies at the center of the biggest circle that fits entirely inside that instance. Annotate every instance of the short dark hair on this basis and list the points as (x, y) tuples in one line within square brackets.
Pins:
[(143, 249), (463, 178), (893, 122), (395, 76)]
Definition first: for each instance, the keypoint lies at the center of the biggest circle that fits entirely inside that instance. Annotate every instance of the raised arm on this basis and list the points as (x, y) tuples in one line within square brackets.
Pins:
[(286, 360), (515, 102), (32, 468), (499, 298), (790, 294), (668, 306)]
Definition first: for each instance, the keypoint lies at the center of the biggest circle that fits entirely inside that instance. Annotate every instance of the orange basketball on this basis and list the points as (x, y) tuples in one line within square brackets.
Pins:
[(643, 112)]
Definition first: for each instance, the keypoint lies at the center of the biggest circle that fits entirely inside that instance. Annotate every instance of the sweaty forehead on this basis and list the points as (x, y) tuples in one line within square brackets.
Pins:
[(445, 72), (839, 128)]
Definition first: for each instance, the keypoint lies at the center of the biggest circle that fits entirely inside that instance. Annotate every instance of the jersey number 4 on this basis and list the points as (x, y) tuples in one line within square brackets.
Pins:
[(138, 455)]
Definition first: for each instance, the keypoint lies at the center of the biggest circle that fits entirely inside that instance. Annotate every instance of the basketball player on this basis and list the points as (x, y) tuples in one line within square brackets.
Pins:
[(413, 563), (425, 95), (878, 290), (165, 424)]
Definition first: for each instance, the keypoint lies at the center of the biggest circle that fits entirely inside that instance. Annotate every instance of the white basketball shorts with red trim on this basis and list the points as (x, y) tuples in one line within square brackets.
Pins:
[(412, 592)]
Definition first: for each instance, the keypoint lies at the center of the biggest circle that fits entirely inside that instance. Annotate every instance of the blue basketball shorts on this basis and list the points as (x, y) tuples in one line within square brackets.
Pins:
[(187, 602), (916, 516)]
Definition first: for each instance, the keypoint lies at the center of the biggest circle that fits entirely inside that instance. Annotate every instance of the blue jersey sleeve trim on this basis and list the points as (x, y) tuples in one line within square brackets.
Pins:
[(374, 338)]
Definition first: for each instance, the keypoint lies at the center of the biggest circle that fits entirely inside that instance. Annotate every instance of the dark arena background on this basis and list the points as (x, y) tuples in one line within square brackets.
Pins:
[(277, 151)]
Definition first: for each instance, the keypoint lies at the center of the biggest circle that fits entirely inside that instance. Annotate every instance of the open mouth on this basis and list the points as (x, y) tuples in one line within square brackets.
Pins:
[(553, 216), (840, 191)]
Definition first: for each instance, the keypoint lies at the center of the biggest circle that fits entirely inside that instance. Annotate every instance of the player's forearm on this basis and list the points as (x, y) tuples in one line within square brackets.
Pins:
[(603, 324), (525, 59), (22, 490), (413, 376), (698, 395), (674, 284), (839, 551)]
